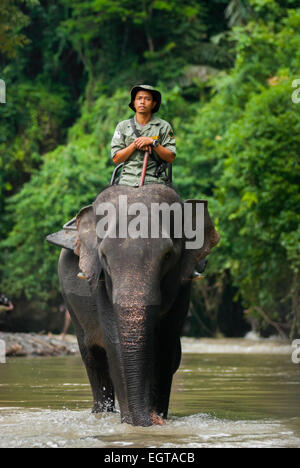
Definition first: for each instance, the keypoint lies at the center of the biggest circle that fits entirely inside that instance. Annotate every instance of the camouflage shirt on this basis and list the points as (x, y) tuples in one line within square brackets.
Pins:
[(124, 135)]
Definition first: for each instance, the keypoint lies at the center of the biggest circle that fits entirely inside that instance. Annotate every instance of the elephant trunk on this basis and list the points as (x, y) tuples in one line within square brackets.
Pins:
[(136, 334)]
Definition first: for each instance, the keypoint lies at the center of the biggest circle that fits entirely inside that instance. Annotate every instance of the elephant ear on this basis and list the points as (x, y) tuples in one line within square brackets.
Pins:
[(87, 246), (211, 238)]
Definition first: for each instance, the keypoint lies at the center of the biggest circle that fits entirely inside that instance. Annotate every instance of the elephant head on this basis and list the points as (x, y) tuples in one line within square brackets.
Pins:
[(137, 282)]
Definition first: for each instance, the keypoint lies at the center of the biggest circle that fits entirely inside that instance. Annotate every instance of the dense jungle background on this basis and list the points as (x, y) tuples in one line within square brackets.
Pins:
[(228, 74)]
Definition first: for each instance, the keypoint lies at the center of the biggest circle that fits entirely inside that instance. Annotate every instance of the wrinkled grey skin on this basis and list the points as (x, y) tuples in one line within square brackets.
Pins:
[(129, 314)]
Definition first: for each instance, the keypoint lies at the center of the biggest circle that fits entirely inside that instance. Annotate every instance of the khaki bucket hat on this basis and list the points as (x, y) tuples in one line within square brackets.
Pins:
[(155, 93)]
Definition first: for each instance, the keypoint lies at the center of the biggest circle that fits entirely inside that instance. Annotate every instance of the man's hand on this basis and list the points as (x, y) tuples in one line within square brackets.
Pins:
[(147, 148), (144, 143)]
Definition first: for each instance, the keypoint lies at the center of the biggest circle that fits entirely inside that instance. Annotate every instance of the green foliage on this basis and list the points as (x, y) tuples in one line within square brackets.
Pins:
[(238, 12), (241, 152), (259, 203), (12, 20), (41, 87), (32, 123), (153, 38)]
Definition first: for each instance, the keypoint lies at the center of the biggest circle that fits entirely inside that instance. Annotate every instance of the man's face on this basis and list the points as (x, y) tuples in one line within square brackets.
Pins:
[(143, 102)]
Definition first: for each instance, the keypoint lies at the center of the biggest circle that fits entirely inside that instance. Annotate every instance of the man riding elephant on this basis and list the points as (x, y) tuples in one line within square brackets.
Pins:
[(144, 132), (128, 314)]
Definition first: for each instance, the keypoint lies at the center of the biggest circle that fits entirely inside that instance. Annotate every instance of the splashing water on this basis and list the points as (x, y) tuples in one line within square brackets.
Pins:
[(229, 396)]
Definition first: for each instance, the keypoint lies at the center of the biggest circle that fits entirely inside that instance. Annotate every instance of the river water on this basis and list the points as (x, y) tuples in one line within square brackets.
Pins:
[(227, 393)]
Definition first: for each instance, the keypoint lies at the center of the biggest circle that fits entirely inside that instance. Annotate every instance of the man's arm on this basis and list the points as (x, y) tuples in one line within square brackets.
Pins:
[(124, 153), (165, 153)]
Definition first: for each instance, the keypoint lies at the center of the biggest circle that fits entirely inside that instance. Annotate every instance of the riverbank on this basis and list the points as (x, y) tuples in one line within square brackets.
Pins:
[(34, 344), (250, 344)]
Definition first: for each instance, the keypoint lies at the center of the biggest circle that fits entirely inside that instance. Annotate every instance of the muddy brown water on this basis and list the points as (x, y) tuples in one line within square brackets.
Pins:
[(227, 393)]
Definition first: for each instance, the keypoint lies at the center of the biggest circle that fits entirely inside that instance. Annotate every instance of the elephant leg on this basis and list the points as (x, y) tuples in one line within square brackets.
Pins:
[(169, 350), (170, 355), (98, 373), (96, 364)]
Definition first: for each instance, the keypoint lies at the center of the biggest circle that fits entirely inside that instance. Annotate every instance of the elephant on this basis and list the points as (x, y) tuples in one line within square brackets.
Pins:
[(129, 313)]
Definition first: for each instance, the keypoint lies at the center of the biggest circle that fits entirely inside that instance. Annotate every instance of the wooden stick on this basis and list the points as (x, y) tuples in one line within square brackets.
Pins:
[(145, 163)]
